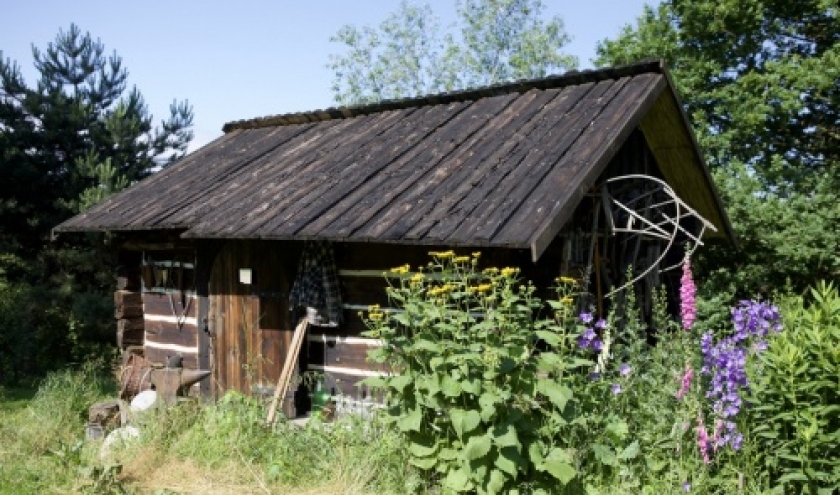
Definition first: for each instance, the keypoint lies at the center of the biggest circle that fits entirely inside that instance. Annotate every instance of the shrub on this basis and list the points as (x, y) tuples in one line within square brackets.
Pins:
[(480, 389), (795, 395)]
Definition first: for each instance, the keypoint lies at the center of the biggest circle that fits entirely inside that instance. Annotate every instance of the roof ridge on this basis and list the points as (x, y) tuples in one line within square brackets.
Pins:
[(520, 86)]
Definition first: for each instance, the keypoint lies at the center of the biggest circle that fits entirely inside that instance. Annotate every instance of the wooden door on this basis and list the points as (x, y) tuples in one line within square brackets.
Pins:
[(249, 323)]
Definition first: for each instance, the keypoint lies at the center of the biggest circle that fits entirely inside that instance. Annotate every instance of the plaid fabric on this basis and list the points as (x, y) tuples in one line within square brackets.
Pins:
[(316, 285)]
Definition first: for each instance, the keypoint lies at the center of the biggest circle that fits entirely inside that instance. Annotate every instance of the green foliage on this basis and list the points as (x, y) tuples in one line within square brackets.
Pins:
[(494, 41), (75, 135), (41, 434), (481, 385), (67, 141), (795, 398), (759, 79)]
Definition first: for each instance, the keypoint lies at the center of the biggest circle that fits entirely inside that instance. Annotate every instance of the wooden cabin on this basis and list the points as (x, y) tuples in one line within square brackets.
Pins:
[(581, 174)]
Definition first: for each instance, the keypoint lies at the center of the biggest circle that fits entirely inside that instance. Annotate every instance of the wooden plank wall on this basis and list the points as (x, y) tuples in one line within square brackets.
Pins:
[(171, 327)]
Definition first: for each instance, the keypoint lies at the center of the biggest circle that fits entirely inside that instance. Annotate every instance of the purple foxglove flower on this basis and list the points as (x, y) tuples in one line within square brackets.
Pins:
[(703, 440), (688, 292), (685, 382)]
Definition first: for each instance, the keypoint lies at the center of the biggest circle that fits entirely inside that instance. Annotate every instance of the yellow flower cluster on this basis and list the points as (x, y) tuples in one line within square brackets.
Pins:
[(443, 289), (481, 288), (491, 271), (567, 300), (462, 259), (401, 270), (566, 280), (509, 272), (374, 313), (417, 277), (442, 254)]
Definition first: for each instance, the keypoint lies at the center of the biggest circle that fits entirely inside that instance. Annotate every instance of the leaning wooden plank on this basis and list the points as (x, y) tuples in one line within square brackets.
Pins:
[(286, 373)]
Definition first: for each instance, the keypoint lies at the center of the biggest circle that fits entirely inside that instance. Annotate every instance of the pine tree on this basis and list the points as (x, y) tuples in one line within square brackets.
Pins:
[(67, 141), (74, 136)]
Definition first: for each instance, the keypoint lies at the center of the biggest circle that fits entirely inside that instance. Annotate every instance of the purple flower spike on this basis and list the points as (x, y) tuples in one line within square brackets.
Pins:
[(688, 294), (725, 362)]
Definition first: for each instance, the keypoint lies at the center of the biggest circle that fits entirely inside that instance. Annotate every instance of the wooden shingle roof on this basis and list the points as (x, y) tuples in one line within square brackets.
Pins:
[(498, 166)]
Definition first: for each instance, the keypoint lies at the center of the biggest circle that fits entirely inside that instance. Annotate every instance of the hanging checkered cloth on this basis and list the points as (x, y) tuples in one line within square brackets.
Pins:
[(316, 288)]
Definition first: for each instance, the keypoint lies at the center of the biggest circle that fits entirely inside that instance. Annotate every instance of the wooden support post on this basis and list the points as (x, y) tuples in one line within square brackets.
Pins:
[(288, 371)]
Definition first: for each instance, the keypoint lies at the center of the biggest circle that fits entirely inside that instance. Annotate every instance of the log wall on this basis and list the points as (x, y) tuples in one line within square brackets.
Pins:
[(171, 328)]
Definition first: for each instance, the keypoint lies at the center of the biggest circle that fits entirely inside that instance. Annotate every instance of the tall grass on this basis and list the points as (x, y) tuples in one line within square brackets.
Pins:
[(188, 449), (40, 442), (226, 446)]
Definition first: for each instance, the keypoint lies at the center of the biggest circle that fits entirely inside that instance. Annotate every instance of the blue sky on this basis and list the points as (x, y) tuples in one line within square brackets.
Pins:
[(238, 60)]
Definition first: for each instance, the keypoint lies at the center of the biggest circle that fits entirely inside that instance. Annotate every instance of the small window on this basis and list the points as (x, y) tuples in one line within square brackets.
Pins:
[(168, 272)]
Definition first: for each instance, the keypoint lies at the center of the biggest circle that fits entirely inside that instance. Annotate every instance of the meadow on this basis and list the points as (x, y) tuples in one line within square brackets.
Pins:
[(531, 397)]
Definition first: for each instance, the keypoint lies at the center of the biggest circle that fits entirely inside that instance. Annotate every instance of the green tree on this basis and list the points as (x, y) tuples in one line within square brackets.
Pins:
[(408, 55), (74, 136), (761, 82), (67, 141)]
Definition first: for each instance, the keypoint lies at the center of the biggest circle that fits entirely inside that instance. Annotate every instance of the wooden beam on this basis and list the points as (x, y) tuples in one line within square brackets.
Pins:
[(288, 369)]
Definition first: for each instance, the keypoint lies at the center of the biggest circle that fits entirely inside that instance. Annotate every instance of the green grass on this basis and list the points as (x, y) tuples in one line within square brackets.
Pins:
[(219, 448), (14, 399)]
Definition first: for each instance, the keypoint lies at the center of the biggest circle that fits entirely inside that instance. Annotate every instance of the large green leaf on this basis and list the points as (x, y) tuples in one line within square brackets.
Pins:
[(423, 462), (558, 394), (457, 480), (604, 454), (464, 421), (450, 386), (487, 401), (510, 461), (535, 454), (477, 447), (558, 464), (411, 421), (496, 482), (471, 386), (550, 338), (400, 382), (427, 345), (421, 450), (504, 435)]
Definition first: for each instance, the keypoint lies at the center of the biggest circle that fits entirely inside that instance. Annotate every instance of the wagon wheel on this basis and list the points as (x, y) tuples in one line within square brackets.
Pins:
[(647, 207)]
